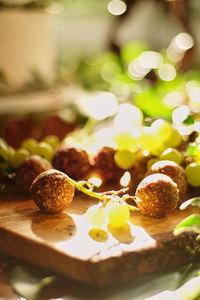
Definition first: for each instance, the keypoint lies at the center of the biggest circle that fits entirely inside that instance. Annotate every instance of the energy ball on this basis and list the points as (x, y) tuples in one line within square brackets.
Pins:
[(72, 161), (174, 171), (105, 166), (29, 169), (157, 195), (52, 192)]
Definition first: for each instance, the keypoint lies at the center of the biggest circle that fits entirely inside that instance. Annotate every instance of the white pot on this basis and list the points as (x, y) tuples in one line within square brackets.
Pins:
[(26, 46)]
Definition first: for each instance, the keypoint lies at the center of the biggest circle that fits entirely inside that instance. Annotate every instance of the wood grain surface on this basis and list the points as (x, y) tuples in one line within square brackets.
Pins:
[(66, 243)]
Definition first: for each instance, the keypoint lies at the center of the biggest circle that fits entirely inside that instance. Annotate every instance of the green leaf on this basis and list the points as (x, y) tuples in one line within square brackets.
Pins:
[(191, 223), (193, 202), (28, 281)]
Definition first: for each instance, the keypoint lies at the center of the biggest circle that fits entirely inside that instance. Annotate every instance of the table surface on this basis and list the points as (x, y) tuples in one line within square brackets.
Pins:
[(64, 288)]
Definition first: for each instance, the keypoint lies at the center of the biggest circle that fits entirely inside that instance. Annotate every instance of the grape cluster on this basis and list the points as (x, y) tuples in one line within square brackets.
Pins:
[(137, 152)]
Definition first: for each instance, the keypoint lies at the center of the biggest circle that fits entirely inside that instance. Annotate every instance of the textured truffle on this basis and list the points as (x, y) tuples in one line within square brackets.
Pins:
[(52, 192), (157, 195), (72, 161), (105, 166), (174, 171), (29, 169)]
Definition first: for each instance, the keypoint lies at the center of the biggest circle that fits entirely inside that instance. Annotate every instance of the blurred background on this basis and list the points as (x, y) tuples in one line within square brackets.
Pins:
[(142, 52)]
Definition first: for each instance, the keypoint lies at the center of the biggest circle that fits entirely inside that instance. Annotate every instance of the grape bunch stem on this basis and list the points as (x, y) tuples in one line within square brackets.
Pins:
[(105, 196)]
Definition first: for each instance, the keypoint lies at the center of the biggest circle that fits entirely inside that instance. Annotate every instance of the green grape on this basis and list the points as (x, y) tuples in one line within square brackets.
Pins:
[(150, 162), (149, 140), (124, 159), (125, 140), (171, 154), (4, 151), (192, 172), (29, 144), (44, 150), (162, 129), (18, 157), (174, 139), (191, 149), (52, 140), (118, 213), (96, 216)]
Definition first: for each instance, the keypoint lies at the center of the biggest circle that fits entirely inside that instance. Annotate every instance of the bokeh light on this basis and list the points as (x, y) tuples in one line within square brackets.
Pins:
[(179, 44), (150, 59), (117, 7), (167, 72), (136, 70), (128, 116), (173, 99), (180, 114), (183, 41)]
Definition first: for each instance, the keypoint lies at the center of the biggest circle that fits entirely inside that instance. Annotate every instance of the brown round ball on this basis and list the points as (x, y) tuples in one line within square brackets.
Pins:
[(29, 169), (52, 192), (174, 171), (105, 166), (157, 195), (72, 161)]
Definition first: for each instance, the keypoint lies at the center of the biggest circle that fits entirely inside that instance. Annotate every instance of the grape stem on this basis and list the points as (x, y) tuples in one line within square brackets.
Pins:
[(105, 196)]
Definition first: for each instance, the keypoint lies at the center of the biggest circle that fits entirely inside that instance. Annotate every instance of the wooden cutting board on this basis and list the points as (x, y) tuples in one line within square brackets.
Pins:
[(65, 243)]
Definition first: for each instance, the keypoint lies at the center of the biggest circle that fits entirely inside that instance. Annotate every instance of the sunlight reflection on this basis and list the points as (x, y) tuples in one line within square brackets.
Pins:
[(125, 180), (98, 105)]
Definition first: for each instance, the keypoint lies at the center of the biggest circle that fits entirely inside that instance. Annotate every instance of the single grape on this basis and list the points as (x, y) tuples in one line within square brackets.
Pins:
[(52, 140), (171, 154), (149, 140), (44, 150), (192, 172), (96, 216), (191, 149), (150, 162), (118, 213), (162, 129), (18, 157), (125, 140), (4, 151), (29, 144), (174, 140), (124, 159)]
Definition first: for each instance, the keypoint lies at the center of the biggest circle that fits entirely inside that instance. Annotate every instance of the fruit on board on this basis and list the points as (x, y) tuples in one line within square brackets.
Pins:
[(73, 161), (174, 171), (29, 169), (157, 195), (52, 192)]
